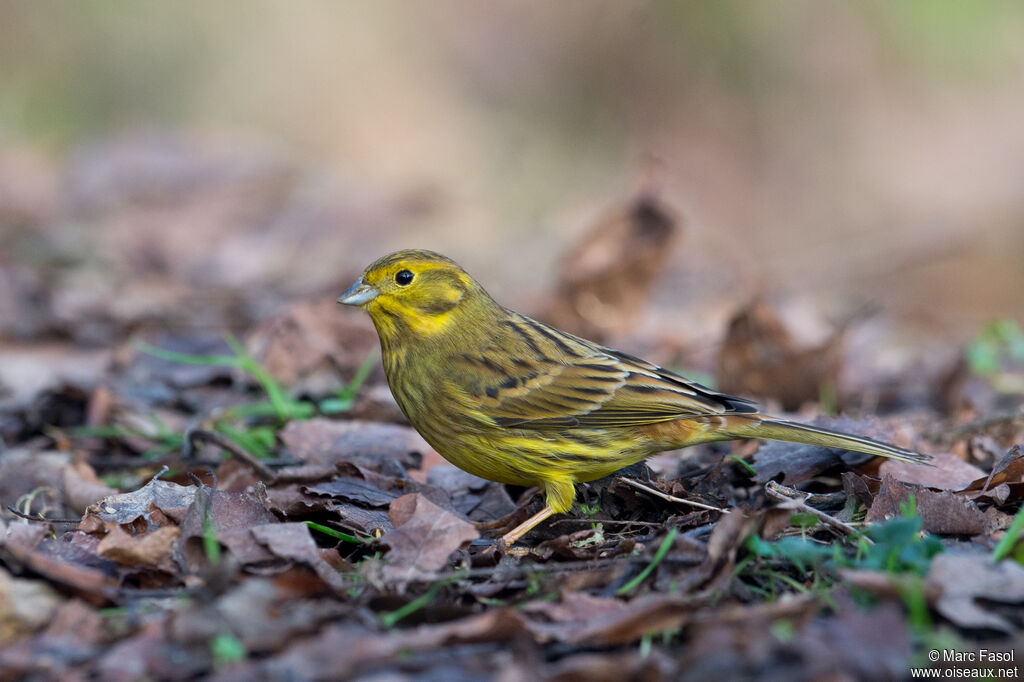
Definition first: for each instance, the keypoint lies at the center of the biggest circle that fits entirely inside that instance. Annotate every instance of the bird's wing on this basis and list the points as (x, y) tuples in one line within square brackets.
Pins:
[(549, 379)]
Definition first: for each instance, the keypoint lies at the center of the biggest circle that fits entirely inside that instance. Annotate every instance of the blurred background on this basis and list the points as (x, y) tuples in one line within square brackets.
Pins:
[(173, 163)]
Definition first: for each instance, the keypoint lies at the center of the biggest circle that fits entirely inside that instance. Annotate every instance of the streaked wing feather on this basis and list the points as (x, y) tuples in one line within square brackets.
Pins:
[(546, 379)]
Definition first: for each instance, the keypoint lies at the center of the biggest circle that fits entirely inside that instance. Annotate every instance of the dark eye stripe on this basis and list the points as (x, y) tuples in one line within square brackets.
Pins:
[(438, 307)]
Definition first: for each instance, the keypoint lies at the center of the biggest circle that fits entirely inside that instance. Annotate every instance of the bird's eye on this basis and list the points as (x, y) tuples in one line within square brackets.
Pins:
[(403, 277)]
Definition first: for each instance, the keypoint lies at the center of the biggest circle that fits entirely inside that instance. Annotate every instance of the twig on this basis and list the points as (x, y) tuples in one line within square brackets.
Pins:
[(40, 519), (234, 449), (163, 470), (665, 496), (798, 500), (653, 524)]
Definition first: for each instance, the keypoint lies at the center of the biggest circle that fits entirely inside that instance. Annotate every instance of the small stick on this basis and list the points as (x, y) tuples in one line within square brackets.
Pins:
[(665, 496), (798, 500), (235, 450), (40, 519), (653, 524)]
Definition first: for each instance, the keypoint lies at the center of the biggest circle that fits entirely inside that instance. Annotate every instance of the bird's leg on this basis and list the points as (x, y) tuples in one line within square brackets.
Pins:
[(523, 528)]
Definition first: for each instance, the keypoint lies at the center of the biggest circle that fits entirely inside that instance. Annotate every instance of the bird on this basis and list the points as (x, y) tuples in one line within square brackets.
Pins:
[(513, 400)]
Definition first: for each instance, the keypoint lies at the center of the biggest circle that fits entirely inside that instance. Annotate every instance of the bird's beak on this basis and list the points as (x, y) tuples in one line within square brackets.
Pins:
[(359, 293)]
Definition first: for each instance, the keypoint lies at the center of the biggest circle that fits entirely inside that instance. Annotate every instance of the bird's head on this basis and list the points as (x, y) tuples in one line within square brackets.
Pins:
[(414, 291)]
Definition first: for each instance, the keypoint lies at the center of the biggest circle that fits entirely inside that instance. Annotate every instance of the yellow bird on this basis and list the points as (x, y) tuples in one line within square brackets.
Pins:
[(513, 400)]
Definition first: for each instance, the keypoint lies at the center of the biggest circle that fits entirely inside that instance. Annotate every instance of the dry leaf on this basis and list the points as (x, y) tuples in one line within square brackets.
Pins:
[(314, 345), (386, 448), (424, 537), (580, 618), (963, 581), (83, 488), (154, 503), (605, 279), (944, 513), (947, 473), (152, 548), (292, 541), (760, 358)]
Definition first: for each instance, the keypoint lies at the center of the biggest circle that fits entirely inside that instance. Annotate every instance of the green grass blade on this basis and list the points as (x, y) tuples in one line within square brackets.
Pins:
[(390, 619), (187, 358), (658, 556), (1009, 540), (337, 534)]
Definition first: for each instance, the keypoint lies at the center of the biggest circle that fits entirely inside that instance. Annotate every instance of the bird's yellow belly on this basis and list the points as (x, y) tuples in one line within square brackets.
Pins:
[(521, 457)]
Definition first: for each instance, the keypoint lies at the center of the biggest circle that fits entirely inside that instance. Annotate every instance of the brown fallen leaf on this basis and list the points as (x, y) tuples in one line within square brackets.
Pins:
[(371, 522), (265, 616), (948, 472), (761, 358), (352, 490), (653, 666), (89, 576), (729, 533), (339, 649), (579, 618), (605, 279), (963, 582), (314, 345), (28, 371), (745, 642), (155, 504), (292, 541), (424, 537), (389, 449), (150, 654), (82, 487), (1005, 480), (477, 498), (292, 500), (230, 517), (151, 548), (943, 513)]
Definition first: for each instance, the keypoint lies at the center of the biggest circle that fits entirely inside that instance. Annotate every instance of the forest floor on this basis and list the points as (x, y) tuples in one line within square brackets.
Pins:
[(203, 473)]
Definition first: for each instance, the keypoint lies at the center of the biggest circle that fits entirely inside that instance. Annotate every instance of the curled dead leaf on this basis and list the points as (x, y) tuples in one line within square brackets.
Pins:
[(941, 512), (152, 548), (606, 278), (761, 358), (154, 503), (424, 537), (964, 581)]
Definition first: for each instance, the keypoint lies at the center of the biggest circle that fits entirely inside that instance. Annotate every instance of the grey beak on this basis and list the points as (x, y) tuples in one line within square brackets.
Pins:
[(358, 294)]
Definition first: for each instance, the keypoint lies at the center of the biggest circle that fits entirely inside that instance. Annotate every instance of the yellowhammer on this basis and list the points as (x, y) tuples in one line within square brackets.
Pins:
[(513, 400)]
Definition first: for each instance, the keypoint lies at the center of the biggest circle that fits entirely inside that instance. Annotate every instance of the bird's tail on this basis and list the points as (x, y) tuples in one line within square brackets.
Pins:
[(768, 428)]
